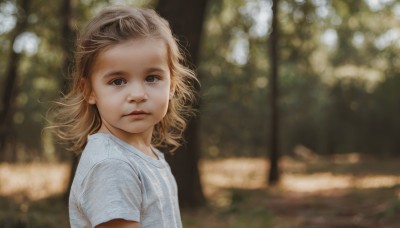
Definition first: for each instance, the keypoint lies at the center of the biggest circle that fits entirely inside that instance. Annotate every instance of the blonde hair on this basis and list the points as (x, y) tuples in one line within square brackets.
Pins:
[(75, 118)]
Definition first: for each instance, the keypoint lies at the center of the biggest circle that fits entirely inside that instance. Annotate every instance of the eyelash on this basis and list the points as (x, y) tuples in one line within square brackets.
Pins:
[(118, 79), (155, 79)]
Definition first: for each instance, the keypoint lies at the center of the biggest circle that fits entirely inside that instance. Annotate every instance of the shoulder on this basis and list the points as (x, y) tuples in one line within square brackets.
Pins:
[(102, 158), (101, 148), (111, 173), (111, 189), (107, 184), (101, 173)]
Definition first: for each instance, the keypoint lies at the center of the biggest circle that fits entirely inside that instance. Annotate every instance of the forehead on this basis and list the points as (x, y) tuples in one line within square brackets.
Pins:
[(136, 45), (133, 54)]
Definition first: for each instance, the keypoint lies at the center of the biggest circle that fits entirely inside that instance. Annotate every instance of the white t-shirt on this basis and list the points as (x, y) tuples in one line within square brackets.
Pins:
[(116, 181)]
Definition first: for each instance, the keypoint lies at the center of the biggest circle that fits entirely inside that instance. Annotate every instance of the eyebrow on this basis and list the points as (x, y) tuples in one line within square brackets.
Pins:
[(155, 69), (120, 72), (113, 73)]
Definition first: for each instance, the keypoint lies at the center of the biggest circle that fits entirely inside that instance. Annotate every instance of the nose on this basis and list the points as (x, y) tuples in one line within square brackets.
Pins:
[(136, 93)]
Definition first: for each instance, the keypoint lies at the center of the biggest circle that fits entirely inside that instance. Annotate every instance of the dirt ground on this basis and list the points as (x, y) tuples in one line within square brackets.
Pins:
[(338, 191)]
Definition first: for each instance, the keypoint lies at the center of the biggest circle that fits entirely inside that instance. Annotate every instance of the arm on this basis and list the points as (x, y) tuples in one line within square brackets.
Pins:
[(119, 223)]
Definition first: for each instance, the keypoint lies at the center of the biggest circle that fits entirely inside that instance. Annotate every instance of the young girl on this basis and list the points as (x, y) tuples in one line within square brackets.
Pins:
[(131, 93)]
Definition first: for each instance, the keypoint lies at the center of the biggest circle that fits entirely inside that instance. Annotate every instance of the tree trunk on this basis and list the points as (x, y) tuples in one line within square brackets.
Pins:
[(274, 174), (186, 19), (10, 86), (68, 12)]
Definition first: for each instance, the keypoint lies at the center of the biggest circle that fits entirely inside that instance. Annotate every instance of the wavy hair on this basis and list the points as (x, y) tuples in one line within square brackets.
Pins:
[(75, 118)]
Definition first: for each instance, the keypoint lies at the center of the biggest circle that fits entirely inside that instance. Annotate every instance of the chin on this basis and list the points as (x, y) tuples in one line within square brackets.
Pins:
[(137, 130)]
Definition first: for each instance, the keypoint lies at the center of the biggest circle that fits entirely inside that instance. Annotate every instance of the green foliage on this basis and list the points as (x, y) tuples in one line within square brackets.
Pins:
[(339, 82), (339, 86)]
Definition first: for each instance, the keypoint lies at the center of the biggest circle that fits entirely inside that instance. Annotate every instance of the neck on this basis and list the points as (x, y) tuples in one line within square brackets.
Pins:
[(141, 141)]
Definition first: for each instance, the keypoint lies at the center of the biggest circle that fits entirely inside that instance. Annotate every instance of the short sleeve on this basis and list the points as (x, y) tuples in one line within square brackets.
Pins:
[(111, 190)]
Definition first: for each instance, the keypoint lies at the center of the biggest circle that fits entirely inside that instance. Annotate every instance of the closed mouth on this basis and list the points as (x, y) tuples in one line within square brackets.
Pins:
[(135, 113)]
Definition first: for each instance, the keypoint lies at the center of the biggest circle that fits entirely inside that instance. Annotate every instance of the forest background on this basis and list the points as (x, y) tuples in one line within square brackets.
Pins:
[(339, 76), (339, 82)]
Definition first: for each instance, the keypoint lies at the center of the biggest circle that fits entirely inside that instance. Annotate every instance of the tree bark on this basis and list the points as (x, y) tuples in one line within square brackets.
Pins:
[(186, 20), (68, 12), (274, 152), (10, 86)]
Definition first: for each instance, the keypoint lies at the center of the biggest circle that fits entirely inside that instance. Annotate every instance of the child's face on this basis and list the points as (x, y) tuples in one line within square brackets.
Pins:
[(131, 86)]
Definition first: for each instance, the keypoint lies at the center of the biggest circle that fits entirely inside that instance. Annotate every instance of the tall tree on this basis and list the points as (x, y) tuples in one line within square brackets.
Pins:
[(186, 19), (68, 12), (10, 85), (273, 177)]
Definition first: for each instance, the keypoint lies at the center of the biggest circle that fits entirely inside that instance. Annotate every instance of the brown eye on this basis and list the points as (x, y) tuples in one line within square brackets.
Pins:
[(118, 82)]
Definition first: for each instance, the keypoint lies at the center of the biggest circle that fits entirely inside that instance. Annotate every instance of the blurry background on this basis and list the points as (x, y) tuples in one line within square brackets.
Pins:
[(338, 101)]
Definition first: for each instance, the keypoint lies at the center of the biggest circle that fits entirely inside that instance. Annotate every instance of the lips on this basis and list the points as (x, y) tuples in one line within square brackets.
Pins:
[(138, 113)]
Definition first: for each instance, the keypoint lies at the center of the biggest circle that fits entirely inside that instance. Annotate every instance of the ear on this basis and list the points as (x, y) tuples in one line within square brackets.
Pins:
[(87, 91), (91, 98)]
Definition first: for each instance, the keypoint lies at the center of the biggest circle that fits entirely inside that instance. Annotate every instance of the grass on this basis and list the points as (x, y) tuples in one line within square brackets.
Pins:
[(337, 191)]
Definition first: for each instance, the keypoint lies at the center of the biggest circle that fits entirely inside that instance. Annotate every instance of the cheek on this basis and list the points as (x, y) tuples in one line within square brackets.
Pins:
[(165, 102), (163, 92)]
